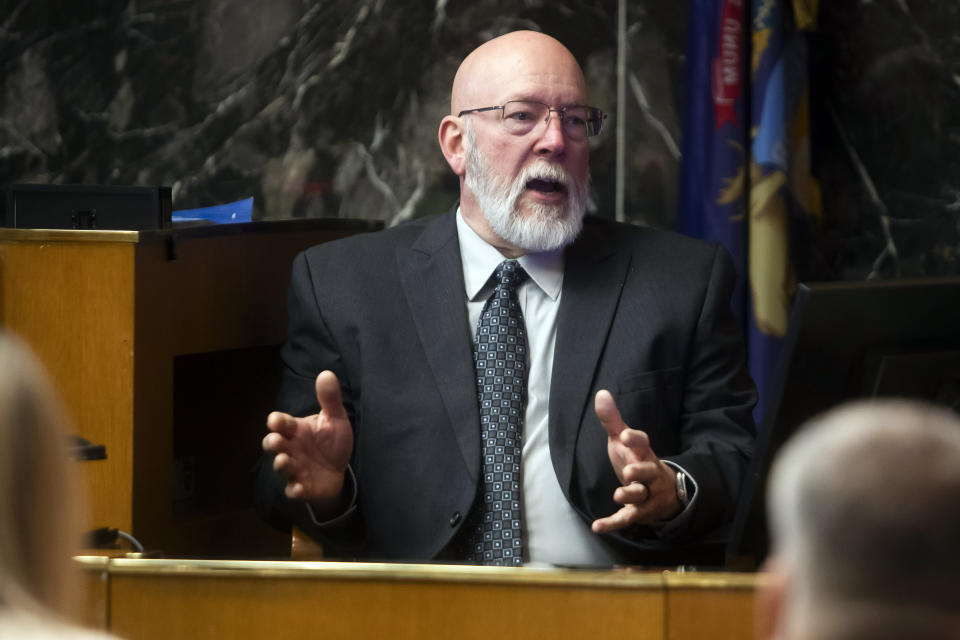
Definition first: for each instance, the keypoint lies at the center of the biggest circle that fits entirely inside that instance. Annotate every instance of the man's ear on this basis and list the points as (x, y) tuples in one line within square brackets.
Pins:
[(770, 604), (452, 144)]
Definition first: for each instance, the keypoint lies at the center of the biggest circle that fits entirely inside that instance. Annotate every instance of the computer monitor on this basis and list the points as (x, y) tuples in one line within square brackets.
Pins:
[(848, 340)]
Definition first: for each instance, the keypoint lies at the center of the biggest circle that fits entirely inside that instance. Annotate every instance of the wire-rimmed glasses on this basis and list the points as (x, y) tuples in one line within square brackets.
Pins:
[(519, 117)]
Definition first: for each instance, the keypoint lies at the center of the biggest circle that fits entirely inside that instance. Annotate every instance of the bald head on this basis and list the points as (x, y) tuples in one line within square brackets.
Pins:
[(515, 59)]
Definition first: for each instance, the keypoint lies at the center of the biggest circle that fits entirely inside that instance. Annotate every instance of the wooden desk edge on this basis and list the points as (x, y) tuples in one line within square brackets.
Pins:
[(712, 580), (189, 231), (375, 571)]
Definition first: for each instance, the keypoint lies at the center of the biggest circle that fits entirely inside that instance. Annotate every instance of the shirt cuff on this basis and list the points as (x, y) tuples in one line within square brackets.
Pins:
[(351, 507)]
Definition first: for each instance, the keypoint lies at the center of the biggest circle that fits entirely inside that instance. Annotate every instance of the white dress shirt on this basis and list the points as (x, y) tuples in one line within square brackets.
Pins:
[(555, 533)]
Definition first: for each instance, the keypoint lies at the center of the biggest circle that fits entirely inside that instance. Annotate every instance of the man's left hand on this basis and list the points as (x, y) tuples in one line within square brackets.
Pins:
[(649, 487)]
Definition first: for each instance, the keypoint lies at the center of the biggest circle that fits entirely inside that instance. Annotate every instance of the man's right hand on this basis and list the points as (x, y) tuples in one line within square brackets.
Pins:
[(312, 453)]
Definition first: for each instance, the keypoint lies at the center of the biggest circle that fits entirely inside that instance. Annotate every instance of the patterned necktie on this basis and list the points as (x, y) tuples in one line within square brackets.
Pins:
[(500, 358)]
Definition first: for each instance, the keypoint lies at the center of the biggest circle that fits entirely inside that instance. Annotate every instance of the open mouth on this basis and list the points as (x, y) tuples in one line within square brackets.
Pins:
[(545, 185)]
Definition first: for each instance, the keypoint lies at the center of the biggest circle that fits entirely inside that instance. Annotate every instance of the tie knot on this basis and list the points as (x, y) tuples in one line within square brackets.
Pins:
[(509, 274)]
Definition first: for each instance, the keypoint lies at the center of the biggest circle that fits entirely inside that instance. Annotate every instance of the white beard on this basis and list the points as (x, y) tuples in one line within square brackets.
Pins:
[(542, 227)]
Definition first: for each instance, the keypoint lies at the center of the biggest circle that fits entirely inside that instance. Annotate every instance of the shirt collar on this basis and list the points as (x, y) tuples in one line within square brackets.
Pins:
[(480, 260)]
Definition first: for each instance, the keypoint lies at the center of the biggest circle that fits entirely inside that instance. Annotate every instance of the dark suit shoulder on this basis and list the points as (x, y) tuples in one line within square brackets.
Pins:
[(374, 245), (649, 246)]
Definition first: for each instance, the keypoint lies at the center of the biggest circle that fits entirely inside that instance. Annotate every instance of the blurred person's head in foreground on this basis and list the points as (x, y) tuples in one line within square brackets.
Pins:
[(864, 507)]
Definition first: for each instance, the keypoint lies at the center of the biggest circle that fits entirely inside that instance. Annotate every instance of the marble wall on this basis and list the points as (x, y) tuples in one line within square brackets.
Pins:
[(331, 108), (887, 93)]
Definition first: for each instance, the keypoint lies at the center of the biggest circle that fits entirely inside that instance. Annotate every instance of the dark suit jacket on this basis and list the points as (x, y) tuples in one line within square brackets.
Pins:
[(643, 313)]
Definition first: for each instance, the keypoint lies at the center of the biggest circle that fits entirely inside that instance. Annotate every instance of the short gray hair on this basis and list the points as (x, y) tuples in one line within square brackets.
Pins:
[(865, 510)]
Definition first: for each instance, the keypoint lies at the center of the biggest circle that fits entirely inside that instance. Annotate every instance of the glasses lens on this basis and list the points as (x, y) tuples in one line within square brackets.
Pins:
[(521, 117), (583, 120), (575, 121), (594, 120)]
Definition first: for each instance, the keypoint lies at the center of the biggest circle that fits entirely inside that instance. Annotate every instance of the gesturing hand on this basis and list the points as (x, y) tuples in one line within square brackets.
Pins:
[(648, 486), (312, 453)]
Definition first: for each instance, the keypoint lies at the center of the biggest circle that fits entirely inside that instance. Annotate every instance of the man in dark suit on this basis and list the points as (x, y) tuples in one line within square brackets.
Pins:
[(625, 326)]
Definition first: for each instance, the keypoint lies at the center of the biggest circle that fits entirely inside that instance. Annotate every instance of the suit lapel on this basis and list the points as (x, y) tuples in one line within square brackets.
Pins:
[(593, 280), (431, 274)]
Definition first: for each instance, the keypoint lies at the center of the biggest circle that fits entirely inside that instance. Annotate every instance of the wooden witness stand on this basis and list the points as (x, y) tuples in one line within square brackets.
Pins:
[(164, 348), (147, 599)]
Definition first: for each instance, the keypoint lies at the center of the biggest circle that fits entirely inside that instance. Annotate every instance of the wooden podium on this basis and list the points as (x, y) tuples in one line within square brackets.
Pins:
[(164, 347), (160, 599)]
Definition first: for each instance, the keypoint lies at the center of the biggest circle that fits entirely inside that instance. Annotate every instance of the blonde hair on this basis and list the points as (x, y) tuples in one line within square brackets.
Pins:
[(40, 501)]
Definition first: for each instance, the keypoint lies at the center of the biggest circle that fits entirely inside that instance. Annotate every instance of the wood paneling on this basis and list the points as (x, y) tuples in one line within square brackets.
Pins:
[(73, 303), (93, 592), (111, 313), (397, 604), (221, 599), (699, 605)]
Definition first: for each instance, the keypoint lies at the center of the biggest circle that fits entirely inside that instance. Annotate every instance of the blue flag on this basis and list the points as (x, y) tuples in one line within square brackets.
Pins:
[(712, 194), (784, 196), (746, 178)]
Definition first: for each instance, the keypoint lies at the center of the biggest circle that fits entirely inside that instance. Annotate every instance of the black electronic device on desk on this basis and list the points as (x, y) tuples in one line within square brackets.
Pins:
[(49, 206), (849, 340)]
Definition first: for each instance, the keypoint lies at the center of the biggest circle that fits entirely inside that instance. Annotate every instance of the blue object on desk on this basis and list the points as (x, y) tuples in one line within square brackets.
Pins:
[(239, 211)]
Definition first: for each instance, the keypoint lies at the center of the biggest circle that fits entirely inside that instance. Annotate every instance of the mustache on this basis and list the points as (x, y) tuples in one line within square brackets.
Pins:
[(543, 170)]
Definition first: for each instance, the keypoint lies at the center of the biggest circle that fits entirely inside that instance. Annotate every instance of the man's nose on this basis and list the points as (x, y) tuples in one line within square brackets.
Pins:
[(551, 141)]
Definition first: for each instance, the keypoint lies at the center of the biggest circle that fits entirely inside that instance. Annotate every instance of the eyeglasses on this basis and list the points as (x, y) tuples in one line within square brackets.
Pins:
[(519, 117)]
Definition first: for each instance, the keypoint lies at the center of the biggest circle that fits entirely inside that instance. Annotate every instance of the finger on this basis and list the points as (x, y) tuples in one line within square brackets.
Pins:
[(328, 395), (644, 472), (274, 443), (607, 412), (295, 490), (282, 423), (633, 493), (624, 517), (635, 439), (284, 465)]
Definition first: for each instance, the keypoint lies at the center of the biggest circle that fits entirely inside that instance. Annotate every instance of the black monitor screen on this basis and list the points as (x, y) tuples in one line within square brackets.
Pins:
[(847, 340)]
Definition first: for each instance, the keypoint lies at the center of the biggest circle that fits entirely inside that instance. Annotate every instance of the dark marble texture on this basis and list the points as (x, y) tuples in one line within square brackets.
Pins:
[(331, 108), (886, 78), (326, 109), (653, 114)]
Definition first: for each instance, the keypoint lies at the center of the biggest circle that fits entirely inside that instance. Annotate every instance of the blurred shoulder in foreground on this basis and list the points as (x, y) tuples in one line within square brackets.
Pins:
[(41, 508)]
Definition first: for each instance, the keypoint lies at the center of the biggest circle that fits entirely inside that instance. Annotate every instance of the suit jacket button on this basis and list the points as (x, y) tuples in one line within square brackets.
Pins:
[(455, 519)]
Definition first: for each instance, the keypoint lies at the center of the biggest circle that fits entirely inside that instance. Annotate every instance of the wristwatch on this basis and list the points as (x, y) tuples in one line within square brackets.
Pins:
[(682, 497)]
